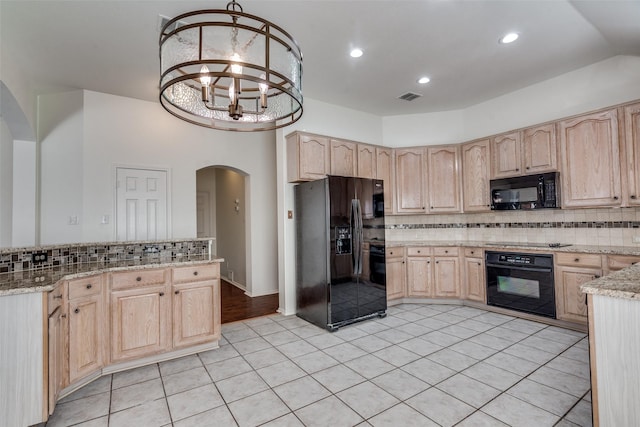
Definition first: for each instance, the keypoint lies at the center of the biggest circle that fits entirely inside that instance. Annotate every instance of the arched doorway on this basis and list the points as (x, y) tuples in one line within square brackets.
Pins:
[(222, 214)]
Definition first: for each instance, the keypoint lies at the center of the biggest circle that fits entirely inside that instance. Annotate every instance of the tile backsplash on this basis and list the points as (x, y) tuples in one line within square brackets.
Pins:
[(13, 260), (598, 227)]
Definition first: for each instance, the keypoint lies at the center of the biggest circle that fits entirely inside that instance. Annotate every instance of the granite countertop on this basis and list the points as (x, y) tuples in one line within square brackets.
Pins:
[(44, 280), (621, 284), (517, 246)]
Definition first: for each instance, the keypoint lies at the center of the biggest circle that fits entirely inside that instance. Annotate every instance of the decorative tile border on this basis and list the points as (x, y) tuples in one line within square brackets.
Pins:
[(576, 224), (101, 252)]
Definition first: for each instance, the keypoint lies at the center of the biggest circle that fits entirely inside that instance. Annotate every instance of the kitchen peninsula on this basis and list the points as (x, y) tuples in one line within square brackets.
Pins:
[(614, 337), (70, 314)]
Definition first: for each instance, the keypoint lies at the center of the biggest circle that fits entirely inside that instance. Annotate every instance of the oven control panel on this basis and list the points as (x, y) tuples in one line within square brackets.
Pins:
[(516, 259)]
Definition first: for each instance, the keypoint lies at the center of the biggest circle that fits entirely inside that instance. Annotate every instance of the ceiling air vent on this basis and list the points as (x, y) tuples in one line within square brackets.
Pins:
[(409, 96)]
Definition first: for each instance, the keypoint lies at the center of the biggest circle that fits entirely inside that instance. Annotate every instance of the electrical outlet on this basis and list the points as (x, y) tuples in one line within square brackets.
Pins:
[(39, 257), (635, 239)]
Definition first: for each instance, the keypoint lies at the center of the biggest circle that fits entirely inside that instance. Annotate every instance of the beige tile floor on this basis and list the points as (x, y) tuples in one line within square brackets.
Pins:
[(422, 365)]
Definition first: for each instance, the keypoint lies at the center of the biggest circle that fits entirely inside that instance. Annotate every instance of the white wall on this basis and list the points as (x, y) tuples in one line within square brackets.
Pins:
[(108, 130), (613, 81), (24, 193), (6, 184), (60, 132)]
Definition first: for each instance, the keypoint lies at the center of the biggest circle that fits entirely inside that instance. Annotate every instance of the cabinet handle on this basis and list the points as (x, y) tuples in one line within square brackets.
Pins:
[(138, 279), (576, 260), (77, 310), (89, 286), (195, 273), (176, 292), (161, 294)]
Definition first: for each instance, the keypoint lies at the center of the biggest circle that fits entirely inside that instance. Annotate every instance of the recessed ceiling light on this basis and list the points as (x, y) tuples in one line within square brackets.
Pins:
[(509, 38), (424, 80), (356, 53)]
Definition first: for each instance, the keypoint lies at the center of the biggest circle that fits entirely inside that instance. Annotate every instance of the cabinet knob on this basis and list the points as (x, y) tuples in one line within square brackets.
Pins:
[(615, 197), (391, 253), (161, 294), (446, 252), (176, 292), (138, 279), (437, 262), (472, 252), (77, 310), (633, 196), (596, 276), (479, 263), (527, 168), (195, 273), (517, 169), (64, 316), (576, 260), (418, 251), (89, 286), (431, 207)]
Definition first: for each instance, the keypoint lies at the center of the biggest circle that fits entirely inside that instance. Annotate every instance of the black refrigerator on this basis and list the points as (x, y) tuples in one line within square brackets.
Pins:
[(338, 282)]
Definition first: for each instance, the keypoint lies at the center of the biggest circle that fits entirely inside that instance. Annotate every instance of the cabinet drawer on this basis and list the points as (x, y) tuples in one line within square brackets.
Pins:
[(618, 262), (395, 252), (418, 251), (579, 260), (84, 287), (445, 251), (195, 273), (473, 252), (54, 299), (135, 279)]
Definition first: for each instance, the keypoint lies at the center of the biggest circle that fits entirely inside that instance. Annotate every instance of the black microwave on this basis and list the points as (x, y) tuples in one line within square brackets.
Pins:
[(540, 191)]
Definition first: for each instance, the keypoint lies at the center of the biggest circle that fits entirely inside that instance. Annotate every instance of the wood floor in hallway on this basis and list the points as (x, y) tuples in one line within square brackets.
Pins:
[(238, 306)]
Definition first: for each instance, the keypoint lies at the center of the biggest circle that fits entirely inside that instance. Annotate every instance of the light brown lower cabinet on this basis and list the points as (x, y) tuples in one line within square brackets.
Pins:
[(474, 275), (419, 272), (571, 271), (56, 356), (396, 272), (86, 317), (446, 273)]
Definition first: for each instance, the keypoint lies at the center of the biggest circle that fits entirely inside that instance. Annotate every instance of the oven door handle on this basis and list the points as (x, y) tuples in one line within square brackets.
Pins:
[(516, 267)]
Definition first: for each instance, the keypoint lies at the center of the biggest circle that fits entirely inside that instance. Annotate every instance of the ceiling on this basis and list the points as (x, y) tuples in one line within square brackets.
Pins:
[(112, 46)]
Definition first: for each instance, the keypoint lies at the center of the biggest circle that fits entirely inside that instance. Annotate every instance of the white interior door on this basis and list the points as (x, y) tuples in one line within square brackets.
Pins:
[(141, 204)]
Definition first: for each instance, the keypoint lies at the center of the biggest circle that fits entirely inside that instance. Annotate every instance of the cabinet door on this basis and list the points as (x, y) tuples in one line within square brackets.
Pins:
[(419, 277), (343, 158), (474, 279), (366, 161), (86, 337), (444, 179), (590, 160), (446, 277), (140, 322), (384, 171), (570, 301), (632, 138), (475, 176), (506, 155), (410, 181), (396, 273), (540, 149), (56, 356), (196, 313), (307, 157)]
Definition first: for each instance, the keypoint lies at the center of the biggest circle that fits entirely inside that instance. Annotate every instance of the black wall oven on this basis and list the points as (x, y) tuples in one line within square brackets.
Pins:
[(521, 281)]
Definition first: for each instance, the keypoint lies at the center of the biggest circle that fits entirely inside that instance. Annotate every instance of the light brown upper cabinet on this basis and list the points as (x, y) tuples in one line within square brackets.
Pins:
[(632, 139), (343, 157), (475, 176), (524, 152), (540, 149), (366, 161), (307, 157), (410, 181), (590, 156), (384, 171), (444, 179)]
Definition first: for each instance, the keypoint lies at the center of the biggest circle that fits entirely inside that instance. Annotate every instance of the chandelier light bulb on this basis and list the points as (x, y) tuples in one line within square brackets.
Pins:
[(205, 79), (236, 68)]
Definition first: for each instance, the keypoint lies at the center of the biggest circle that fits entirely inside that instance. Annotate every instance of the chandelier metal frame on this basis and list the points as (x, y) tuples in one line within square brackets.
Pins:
[(229, 70)]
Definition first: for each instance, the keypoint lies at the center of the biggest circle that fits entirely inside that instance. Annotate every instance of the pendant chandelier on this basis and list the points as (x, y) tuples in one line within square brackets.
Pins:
[(228, 70)]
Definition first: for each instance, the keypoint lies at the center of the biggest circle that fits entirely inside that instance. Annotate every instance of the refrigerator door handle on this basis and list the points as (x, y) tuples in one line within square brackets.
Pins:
[(358, 236)]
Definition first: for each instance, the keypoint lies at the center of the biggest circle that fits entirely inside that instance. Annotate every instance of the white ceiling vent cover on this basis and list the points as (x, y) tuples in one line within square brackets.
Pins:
[(409, 96)]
